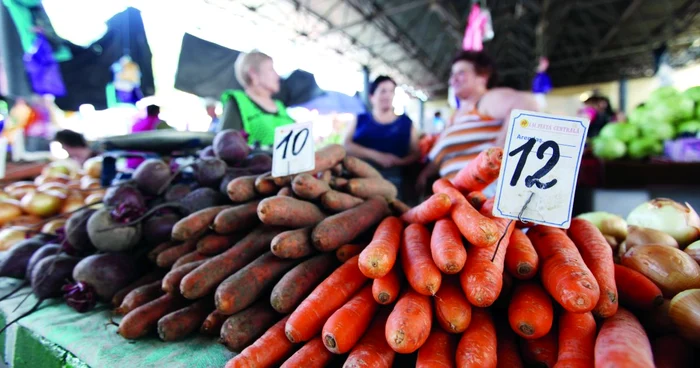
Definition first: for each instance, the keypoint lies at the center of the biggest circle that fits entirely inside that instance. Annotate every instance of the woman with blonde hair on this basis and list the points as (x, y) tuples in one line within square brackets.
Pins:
[(253, 110)]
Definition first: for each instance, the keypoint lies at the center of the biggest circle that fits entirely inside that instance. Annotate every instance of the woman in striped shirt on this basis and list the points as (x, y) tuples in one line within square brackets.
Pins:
[(478, 123)]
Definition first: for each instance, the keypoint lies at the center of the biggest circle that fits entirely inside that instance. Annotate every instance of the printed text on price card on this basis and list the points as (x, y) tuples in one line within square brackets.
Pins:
[(541, 158), (293, 151)]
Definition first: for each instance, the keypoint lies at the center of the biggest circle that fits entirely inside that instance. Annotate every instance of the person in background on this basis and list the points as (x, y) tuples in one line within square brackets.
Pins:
[(211, 111), (253, 110), (381, 137), (438, 122), (478, 122), (151, 121), (597, 109), (75, 144)]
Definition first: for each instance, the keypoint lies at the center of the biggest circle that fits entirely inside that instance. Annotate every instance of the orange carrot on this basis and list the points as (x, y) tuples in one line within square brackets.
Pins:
[(307, 320), (487, 207), (481, 278), (196, 224), (347, 325), (212, 324), (386, 289), (242, 189), (530, 312), (481, 171), (453, 311), (398, 208), (344, 227), (447, 248), (507, 347), (576, 340), (438, 351), (541, 352), (409, 323), (477, 347), (636, 290), (521, 259), (372, 351), (564, 274), (622, 342), (597, 255), (479, 230), (432, 209), (266, 351), (348, 251), (312, 355), (380, 255), (421, 272), (476, 199), (236, 218), (296, 284)]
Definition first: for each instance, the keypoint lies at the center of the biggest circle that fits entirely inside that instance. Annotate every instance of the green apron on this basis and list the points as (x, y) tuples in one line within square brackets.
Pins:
[(259, 125)]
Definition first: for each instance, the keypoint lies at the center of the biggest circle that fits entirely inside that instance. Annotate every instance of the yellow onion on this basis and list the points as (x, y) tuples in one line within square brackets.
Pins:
[(646, 236), (63, 188), (612, 242), (74, 201), (10, 209), (95, 197), (24, 221), (53, 225), (4, 195), (93, 167), (675, 219), (670, 269), (685, 314), (43, 204), (693, 251), (607, 223), (87, 182), (19, 184), (9, 237)]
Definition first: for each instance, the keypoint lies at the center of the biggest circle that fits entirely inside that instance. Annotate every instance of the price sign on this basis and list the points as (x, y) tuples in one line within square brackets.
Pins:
[(541, 160), (293, 151), (3, 156)]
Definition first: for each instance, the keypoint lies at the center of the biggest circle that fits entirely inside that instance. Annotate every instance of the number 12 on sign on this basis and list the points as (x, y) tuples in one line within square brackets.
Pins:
[(293, 151), (542, 157)]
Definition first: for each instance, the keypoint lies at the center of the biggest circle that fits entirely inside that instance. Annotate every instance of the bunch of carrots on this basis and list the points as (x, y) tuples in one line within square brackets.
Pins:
[(452, 285)]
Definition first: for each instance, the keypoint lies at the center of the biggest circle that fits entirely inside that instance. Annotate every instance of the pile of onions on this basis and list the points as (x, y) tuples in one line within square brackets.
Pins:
[(685, 314), (675, 219), (672, 270)]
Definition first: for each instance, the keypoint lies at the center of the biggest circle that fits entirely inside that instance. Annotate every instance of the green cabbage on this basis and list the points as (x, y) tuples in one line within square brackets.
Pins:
[(609, 148), (660, 131), (690, 126), (644, 147), (663, 93), (693, 93), (671, 110), (639, 115), (622, 131)]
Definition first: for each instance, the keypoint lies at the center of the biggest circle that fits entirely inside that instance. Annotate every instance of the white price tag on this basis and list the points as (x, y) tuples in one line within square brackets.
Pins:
[(293, 151), (541, 160), (3, 156)]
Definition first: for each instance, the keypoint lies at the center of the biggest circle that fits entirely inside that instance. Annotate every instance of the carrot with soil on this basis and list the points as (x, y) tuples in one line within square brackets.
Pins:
[(359, 168), (153, 254), (431, 210), (386, 289), (378, 258), (452, 310), (481, 171), (265, 185), (564, 273), (242, 328), (308, 318), (308, 187), (636, 290), (447, 248), (140, 296), (417, 263), (398, 208), (212, 324), (530, 312), (622, 342), (205, 278), (285, 192), (169, 256), (577, 332), (270, 349), (476, 199), (328, 157), (242, 189), (438, 351), (243, 288), (144, 319), (190, 257), (477, 347), (344, 227), (312, 355), (195, 224), (348, 251), (521, 260), (171, 281), (409, 323), (346, 326), (338, 201), (148, 278), (372, 351), (214, 244), (181, 323), (236, 218), (289, 212), (296, 284), (370, 187), (293, 243)]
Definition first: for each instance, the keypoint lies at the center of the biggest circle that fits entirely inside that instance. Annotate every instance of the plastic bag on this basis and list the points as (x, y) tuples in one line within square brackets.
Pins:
[(43, 70)]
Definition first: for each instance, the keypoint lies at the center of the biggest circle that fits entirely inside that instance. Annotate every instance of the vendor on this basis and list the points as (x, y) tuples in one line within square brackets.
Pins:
[(253, 110), (75, 144)]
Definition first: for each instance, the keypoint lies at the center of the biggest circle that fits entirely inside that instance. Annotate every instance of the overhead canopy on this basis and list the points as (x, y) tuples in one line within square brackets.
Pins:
[(586, 41)]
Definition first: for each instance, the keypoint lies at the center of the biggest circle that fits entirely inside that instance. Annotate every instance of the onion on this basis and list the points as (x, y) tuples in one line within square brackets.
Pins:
[(10, 237), (693, 251), (93, 167), (679, 221), (670, 269), (43, 204), (10, 209), (53, 225), (685, 314), (646, 236), (612, 242), (607, 223)]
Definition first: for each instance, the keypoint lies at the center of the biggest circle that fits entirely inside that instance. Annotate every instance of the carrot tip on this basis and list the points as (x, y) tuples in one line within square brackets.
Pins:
[(329, 341), (526, 329), (524, 269), (384, 297)]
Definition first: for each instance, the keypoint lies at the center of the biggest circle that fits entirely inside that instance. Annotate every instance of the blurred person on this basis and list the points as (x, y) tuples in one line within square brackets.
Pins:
[(597, 109), (211, 112), (381, 137), (478, 122), (151, 121), (438, 122), (75, 144), (253, 110)]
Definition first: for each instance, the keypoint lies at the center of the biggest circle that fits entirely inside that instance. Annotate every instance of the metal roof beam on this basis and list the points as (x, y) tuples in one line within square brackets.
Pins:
[(394, 10)]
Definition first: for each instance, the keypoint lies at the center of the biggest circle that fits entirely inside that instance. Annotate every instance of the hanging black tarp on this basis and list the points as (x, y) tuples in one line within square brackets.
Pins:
[(87, 74), (12, 69), (206, 69)]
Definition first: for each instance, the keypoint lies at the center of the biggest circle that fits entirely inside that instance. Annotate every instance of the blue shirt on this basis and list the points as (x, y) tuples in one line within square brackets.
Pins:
[(394, 138)]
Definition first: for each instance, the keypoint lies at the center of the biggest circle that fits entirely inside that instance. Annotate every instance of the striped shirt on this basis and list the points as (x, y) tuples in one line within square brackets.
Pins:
[(468, 135)]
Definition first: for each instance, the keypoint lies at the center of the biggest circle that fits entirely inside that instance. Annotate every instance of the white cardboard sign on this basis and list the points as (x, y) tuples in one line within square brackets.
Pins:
[(293, 151), (541, 160)]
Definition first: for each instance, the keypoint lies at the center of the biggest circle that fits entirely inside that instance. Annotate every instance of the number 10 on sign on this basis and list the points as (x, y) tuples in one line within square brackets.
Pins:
[(293, 151)]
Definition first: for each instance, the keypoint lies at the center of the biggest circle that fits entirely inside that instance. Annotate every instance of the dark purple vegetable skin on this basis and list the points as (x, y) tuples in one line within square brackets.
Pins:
[(232, 173), (152, 175), (107, 273), (50, 274), (230, 146), (107, 236), (177, 192), (124, 194), (157, 229), (43, 252), (15, 262), (76, 230), (207, 152), (258, 163), (209, 171), (202, 198)]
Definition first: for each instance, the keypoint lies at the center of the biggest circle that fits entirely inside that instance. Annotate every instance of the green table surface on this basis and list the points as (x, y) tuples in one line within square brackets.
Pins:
[(58, 336)]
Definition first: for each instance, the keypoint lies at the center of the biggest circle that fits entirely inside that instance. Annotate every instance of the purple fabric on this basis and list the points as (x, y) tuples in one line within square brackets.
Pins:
[(131, 97), (542, 83), (683, 150), (43, 70), (145, 124)]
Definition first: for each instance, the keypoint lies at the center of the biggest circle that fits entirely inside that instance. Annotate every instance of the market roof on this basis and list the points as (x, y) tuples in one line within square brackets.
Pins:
[(587, 41)]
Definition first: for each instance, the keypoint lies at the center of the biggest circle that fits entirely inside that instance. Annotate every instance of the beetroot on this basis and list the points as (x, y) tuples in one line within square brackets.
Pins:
[(207, 152), (176, 192), (157, 229), (107, 273), (106, 234), (258, 163), (15, 262), (230, 146), (76, 230), (152, 176), (43, 252), (209, 171), (202, 198), (124, 193)]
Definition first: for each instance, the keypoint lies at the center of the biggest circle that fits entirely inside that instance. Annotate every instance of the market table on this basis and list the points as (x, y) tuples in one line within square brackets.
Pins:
[(58, 336)]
